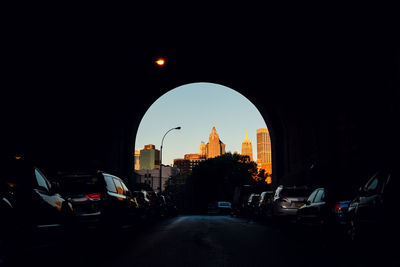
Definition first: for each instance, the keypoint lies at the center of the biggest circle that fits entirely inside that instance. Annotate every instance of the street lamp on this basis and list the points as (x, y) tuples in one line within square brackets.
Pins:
[(176, 128)]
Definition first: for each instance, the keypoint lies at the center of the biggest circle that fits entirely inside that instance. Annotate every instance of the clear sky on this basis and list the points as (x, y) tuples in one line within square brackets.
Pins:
[(196, 107)]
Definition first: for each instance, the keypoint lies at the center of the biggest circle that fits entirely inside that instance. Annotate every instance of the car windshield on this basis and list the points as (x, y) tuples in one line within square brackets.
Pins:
[(80, 184), (341, 194), (224, 204)]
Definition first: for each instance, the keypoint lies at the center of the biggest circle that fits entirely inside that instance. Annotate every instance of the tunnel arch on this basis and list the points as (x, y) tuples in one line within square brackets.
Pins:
[(265, 114)]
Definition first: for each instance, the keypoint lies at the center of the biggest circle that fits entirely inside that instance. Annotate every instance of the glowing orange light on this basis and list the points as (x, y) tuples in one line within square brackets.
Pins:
[(18, 157), (160, 62)]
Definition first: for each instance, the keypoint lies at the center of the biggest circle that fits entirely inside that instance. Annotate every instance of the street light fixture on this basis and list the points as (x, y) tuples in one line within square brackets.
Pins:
[(176, 128), (160, 62)]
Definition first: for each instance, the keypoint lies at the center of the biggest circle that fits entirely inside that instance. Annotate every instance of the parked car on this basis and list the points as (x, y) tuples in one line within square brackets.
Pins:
[(326, 208), (252, 205), (265, 204), (7, 219), (240, 199), (28, 199), (219, 207), (98, 197), (158, 205), (143, 199), (373, 212), (172, 209), (287, 200)]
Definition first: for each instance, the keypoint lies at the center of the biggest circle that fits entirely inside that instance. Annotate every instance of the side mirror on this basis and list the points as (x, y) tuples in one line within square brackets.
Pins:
[(308, 202)]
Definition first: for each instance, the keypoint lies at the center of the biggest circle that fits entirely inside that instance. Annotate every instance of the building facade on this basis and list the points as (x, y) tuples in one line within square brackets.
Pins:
[(203, 150), (194, 160), (149, 158), (182, 164), (188, 162), (152, 177), (137, 160), (247, 147), (264, 155)]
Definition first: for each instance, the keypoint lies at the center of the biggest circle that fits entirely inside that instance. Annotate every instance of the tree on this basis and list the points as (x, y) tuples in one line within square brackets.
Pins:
[(215, 179), (175, 189)]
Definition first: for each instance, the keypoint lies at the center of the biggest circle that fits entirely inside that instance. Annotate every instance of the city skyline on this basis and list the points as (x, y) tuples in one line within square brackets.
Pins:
[(197, 107)]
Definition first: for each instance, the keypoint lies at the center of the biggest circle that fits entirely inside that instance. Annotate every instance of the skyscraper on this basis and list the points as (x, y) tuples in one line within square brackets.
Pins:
[(214, 147), (247, 148), (264, 156), (149, 158)]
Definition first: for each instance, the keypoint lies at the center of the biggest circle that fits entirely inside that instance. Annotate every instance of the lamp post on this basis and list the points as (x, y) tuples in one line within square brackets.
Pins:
[(176, 128)]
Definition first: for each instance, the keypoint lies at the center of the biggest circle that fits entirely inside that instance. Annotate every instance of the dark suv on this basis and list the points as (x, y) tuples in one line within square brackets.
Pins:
[(98, 197), (373, 213)]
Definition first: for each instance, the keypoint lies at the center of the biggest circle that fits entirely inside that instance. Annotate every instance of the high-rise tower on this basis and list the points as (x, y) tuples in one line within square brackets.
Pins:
[(264, 155), (214, 147), (247, 148)]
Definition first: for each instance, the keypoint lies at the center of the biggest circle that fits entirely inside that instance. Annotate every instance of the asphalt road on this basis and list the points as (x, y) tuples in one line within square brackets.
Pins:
[(194, 241)]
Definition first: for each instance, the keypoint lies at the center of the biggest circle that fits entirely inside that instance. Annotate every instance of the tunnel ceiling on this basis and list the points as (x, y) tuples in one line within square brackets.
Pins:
[(82, 95)]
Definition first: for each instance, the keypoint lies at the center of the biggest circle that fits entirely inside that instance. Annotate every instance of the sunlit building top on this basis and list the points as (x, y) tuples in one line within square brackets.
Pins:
[(247, 148)]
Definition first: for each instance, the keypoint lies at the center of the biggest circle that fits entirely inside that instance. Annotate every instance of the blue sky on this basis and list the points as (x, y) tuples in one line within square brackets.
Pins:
[(196, 107)]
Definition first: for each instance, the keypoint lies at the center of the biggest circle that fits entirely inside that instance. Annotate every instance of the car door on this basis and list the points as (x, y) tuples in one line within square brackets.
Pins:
[(130, 200), (318, 206), (47, 205), (305, 212), (370, 199)]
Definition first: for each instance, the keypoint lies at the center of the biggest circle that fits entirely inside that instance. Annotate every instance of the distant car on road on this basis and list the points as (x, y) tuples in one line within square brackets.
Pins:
[(219, 207), (98, 197), (287, 200)]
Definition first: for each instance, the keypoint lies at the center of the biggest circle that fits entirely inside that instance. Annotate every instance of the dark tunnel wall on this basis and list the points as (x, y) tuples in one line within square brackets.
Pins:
[(331, 101)]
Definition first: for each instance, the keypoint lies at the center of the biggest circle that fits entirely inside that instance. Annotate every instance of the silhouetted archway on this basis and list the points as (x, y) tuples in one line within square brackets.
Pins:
[(196, 98)]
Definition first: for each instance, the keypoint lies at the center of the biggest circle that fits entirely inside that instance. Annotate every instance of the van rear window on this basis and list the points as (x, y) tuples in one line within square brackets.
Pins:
[(81, 184)]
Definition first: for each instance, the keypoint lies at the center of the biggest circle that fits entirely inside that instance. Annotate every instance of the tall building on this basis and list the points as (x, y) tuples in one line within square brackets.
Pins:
[(137, 159), (247, 148), (214, 147), (149, 158), (264, 155)]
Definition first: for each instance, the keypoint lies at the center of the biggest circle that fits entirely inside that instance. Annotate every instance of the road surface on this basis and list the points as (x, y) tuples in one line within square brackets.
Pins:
[(193, 241)]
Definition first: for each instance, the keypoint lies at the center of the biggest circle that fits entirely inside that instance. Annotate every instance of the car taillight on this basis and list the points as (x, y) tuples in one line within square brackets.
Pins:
[(285, 199), (93, 196), (337, 208)]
